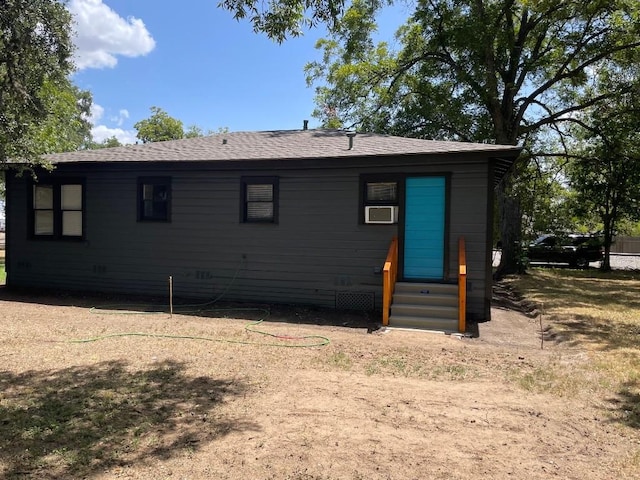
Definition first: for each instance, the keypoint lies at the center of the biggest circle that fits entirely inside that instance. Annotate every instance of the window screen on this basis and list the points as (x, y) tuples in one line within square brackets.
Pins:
[(58, 209), (43, 210), (154, 199), (71, 206), (259, 202), (382, 193), (259, 199)]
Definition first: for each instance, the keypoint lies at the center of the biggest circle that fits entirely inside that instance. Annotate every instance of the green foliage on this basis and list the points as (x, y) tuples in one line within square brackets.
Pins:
[(605, 168), (159, 127), (284, 18), (493, 70), (111, 142), (504, 72), (545, 200), (35, 51), (194, 131), (66, 127), (106, 143), (630, 228)]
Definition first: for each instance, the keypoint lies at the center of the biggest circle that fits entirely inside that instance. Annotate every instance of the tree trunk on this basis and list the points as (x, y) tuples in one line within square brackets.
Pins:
[(605, 266), (510, 232), (607, 240)]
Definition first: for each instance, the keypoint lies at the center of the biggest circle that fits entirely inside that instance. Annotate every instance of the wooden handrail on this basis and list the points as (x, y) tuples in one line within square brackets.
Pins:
[(462, 286), (389, 277)]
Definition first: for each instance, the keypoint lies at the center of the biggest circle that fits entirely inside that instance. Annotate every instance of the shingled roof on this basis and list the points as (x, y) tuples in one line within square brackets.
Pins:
[(284, 145)]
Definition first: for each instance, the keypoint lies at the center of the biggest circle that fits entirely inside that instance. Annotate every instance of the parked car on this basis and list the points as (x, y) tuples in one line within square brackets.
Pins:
[(576, 250)]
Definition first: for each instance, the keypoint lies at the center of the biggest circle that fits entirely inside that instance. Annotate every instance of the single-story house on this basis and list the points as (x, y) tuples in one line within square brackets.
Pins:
[(302, 217)]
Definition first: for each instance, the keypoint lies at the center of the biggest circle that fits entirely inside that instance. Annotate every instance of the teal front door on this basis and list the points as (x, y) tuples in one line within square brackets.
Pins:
[(424, 228)]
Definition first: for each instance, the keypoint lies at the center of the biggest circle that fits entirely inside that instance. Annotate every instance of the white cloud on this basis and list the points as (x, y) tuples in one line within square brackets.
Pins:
[(102, 35), (119, 119), (102, 132), (95, 114)]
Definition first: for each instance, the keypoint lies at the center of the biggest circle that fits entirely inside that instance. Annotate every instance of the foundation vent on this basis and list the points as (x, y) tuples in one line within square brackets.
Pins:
[(355, 301)]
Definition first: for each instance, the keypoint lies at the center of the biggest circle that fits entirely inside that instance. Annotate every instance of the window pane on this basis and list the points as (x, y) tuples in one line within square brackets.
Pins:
[(259, 192), (259, 211), (148, 209), (155, 210), (382, 192), (160, 210), (43, 222), (71, 197), (155, 201), (160, 193), (42, 196), (72, 223), (155, 192), (147, 192)]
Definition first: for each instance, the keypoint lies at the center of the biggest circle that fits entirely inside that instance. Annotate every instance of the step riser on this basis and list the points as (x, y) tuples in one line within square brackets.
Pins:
[(430, 311), (439, 324), (426, 288), (430, 299)]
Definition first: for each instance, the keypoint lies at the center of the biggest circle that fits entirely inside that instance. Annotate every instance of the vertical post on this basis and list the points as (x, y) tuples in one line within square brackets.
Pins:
[(386, 294), (171, 296), (462, 286), (389, 277)]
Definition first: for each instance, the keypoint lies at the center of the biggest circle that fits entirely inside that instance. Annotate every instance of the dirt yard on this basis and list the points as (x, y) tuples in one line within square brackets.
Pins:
[(223, 402)]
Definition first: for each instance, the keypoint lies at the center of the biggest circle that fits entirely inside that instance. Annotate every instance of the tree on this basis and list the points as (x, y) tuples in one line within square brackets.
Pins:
[(66, 126), (604, 171), (504, 71), (35, 51), (507, 72), (106, 143), (159, 127), (193, 131), (545, 198), (280, 19)]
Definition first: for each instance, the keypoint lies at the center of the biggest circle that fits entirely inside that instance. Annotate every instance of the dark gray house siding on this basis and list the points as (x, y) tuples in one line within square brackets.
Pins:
[(319, 252)]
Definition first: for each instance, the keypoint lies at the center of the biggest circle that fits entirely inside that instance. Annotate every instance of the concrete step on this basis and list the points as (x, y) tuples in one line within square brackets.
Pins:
[(425, 311), (427, 306), (425, 299), (426, 288), (439, 324)]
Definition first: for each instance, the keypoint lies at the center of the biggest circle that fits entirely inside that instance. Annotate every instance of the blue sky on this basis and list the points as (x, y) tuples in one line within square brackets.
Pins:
[(194, 61)]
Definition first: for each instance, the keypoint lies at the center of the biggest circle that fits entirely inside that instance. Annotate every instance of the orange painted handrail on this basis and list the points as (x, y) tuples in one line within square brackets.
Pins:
[(462, 286), (389, 277)]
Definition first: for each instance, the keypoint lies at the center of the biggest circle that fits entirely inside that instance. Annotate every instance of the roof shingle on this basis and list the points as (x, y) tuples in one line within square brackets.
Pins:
[(277, 145)]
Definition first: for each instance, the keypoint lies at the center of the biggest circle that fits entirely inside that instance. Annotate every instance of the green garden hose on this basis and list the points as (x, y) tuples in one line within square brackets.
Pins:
[(204, 307), (320, 340)]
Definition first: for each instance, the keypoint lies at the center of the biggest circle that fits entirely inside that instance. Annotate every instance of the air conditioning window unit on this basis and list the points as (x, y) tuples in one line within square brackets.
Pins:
[(381, 214)]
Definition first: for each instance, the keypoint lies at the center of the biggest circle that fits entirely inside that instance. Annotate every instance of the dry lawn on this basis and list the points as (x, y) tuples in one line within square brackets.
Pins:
[(218, 402)]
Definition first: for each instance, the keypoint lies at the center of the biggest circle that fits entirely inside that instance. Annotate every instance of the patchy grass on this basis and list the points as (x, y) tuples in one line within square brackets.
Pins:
[(178, 407), (563, 381), (340, 360), (68, 422), (2, 271), (599, 312), (588, 308)]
